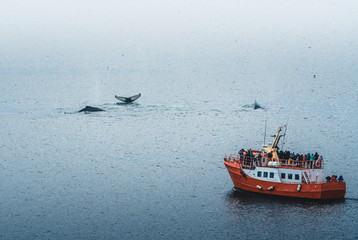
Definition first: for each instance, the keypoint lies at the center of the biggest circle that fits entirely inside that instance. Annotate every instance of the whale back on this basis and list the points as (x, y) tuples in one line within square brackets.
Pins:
[(91, 109)]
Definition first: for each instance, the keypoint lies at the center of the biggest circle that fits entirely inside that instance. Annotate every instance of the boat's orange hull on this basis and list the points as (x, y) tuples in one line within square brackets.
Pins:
[(326, 190)]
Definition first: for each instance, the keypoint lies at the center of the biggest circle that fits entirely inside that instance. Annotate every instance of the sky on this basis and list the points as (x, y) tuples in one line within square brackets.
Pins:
[(60, 35)]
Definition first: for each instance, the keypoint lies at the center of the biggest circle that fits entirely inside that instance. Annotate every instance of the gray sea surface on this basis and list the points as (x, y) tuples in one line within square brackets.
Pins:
[(153, 169)]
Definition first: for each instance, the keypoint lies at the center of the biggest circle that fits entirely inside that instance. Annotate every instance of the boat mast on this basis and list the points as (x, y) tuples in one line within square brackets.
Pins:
[(284, 136), (272, 148), (277, 137)]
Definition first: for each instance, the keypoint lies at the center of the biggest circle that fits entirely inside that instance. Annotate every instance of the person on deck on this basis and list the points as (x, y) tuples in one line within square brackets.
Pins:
[(311, 160), (320, 160), (241, 153), (259, 159), (280, 154), (333, 178), (299, 158), (308, 160)]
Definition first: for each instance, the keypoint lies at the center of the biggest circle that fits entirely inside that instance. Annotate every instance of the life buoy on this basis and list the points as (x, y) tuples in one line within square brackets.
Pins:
[(318, 164)]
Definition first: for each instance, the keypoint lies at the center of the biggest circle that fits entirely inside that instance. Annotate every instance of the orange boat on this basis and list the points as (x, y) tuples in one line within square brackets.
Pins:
[(269, 172)]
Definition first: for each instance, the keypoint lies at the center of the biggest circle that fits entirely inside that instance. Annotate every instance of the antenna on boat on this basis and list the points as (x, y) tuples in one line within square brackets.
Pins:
[(265, 132)]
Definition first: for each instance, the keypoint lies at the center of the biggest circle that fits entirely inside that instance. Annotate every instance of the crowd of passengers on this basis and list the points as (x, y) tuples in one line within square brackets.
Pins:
[(284, 155), (250, 155), (306, 160), (250, 158), (299, 157), (245, 154), (334, 178)]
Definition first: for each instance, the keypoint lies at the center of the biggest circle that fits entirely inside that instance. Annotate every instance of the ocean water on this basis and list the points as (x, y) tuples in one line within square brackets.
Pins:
[(154, 169)]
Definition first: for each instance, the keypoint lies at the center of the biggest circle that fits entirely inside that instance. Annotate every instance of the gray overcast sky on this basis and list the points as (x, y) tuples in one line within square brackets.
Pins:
[(71, 31)]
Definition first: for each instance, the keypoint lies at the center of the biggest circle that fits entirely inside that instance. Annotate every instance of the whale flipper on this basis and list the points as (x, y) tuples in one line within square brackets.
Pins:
[(128, 99), (90, 109)]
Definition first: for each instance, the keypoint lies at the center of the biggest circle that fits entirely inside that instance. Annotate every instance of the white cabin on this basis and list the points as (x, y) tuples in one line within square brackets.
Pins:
[(286, 175)]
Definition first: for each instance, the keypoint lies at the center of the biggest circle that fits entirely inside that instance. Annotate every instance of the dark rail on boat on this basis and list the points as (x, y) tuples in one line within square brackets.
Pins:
[(252, 162)]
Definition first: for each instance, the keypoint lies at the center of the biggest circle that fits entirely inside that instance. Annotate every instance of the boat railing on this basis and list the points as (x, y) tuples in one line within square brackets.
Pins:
[(252, 162), (245, 162), (307, 164)]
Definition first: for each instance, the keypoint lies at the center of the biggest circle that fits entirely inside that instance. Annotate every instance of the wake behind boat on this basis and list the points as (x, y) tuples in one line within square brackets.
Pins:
[(276, 173)]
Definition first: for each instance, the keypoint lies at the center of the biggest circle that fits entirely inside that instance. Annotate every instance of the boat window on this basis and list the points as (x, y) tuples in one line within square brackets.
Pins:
[(297, 177), (283, 175), (290, 176), (265, 174), (272, 175), (259, 173)]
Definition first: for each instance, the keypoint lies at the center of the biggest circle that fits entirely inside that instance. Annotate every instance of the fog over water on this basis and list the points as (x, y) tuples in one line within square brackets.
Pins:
[(241, 36), (153, 169)]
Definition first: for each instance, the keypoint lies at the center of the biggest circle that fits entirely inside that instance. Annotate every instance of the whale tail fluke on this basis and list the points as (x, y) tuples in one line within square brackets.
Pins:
[(128, 99), (123, 99)]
